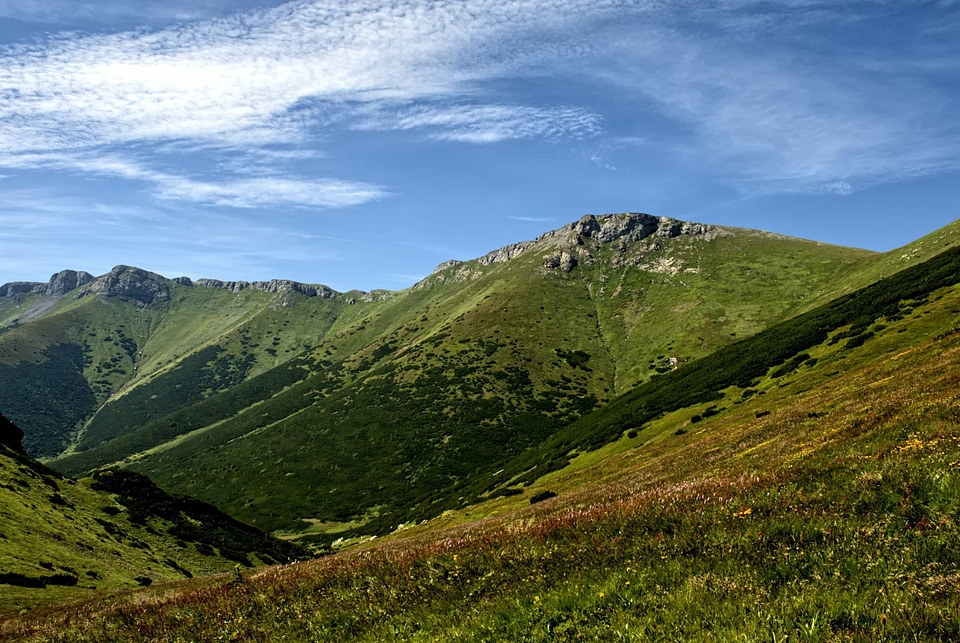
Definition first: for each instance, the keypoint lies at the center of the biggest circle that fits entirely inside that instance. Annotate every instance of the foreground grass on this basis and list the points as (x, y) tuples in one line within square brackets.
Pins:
[(823, 507)]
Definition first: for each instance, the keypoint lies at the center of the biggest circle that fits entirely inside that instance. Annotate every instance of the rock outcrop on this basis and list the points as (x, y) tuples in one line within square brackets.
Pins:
[(59, 284), (561, 260), (273, 286), (130, 284), (570, 245)]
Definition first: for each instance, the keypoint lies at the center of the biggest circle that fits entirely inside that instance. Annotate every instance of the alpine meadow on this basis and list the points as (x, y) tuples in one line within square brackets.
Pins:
[(630, 428)]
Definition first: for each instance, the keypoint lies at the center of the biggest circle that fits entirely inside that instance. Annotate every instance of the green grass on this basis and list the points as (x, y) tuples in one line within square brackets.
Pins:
[(418, 399), (289, 411), (823, 506), (65, 540)]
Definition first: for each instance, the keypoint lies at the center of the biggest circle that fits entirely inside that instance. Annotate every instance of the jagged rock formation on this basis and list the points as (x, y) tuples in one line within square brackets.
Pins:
[(570, 245), (273, 286), (561, 260), (133, 284), (129, 284), (59, 284)]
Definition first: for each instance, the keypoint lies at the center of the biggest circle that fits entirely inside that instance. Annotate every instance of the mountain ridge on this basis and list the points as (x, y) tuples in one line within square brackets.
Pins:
[(785, 478), (625, 227), (422, 389), (430, 380)]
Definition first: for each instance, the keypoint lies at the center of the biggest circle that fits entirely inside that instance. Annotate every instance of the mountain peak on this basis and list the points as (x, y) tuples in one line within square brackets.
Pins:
[(572, 240), (131, 284), (626, 227)]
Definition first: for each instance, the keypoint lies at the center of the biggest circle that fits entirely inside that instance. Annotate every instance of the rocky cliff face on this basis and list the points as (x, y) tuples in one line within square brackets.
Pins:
[(273, 286), (625, 228), (571, 245), (130, 284), (59, 284)]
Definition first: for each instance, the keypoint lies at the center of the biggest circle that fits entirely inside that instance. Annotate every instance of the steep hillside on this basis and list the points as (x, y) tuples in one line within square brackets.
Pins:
[(65, 354), (60, 539), (79, 354), (389, 408), (818, 502), (411, 400)]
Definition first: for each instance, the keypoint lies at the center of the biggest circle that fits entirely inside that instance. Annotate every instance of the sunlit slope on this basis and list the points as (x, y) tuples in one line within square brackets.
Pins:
[(853, 319), (399, 411), (817, 503), (888, 263), (60, 539)]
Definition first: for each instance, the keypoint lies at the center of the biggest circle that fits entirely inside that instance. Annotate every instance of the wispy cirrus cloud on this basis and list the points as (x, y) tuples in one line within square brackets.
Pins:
[(529, 219), (767, 102), (753, 89), (239, 192), (486, 123), (124, 12), (281, 75)]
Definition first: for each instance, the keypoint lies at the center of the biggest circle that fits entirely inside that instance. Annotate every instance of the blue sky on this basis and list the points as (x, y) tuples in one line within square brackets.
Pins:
[(359, 144)]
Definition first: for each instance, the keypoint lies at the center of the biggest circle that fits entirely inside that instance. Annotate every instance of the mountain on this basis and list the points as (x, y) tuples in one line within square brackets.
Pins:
[(63, 354), (801, 483), (326, 415), (61, 539)]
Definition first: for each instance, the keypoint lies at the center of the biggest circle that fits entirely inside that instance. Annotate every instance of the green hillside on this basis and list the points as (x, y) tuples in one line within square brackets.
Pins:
[(329, 416), (411, 400), (804, 487), (92, 346), (63, 539)]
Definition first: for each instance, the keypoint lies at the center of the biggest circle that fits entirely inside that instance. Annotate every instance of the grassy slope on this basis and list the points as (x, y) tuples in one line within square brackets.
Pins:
[(67, 357), (61, 539), (823, 506), (417, 397), (93, 351)]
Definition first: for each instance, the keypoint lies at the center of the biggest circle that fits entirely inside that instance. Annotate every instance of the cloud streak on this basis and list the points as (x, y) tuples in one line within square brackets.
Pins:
[(275, 76), (732, 89)]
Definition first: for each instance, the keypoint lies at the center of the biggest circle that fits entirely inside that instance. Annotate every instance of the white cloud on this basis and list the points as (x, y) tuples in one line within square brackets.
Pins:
[(243, 80), (487, 123), (242, 192), (276, 76), (530, 219), (250, 193), (285, 77), (71, 12)]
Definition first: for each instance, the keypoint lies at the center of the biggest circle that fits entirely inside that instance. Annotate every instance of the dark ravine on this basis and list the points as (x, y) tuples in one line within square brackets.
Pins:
[(10, 434)]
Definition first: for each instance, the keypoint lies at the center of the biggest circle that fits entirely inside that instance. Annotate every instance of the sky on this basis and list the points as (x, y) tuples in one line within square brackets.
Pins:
[(359, 144)]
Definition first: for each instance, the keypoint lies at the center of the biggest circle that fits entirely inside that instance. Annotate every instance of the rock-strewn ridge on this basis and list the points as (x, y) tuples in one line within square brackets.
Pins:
[(569, 241), (273, 286), (130, 284)]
